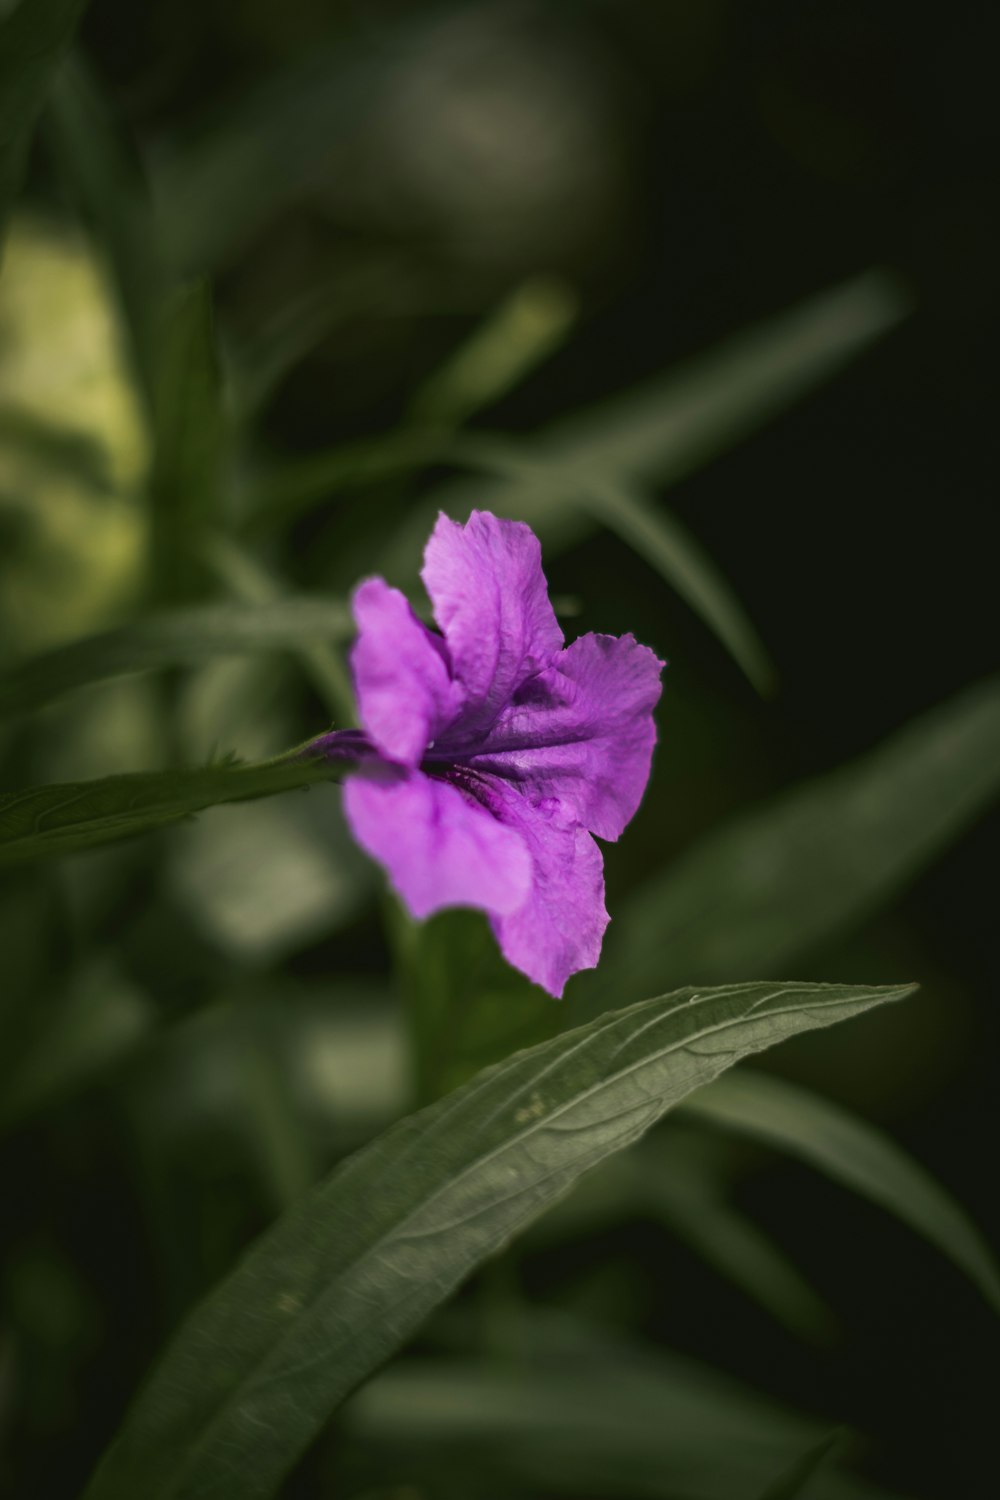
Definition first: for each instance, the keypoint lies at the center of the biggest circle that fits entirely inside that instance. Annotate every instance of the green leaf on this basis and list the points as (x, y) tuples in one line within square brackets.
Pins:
[(32, 40), (679, 422), (68, 1036), (45, 821), (175, 638), (657, 433), (250, 581), (105, 177), (519, 335), (191, 430), (651, 531), (794, 1481), (581, 1411), (688, 1196), (854, 1153), (651, 434), (339, 1283), (787, 876)]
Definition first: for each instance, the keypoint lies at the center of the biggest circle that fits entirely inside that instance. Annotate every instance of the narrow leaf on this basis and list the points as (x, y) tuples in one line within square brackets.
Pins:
[(679, 422), (176, 638), (698, 1213), (657, 433), (659, 537), (522, 332), (191, 434), (44, 821), (785, 877), (651, 531), (855, 1153), (33, 38), (105, 177), (792, 1484), (339, 1283)]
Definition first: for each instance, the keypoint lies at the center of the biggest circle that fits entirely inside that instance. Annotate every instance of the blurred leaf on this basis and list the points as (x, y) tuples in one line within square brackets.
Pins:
[(783, 878), (585, 1412), (523, 331), (795, 1481), (690, 1200), (191, 438), (74, 449), (45, 821), (659, 537), (33, 37), (258, 908), (295, 486), (250, 581), (657, 433), (673, 425), (652, 532), (106, 178), (651, 434), (176, 638), (853, 1152), (224, 184), (338, 1284), (84, 1025)]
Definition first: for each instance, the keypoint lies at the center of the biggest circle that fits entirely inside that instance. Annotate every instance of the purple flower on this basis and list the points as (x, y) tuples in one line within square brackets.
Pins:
[(489, 753)]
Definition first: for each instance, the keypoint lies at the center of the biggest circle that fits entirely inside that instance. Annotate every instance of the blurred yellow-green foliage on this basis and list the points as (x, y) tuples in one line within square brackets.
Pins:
[(75, 451)]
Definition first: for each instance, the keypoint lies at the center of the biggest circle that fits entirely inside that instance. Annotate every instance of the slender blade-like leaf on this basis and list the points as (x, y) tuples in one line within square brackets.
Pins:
[(33, 38), (855, 1153), (793, 1482), (191, 430), (41, 822), (339, 1283), (649, 530), (105, 177), (176, 638), (657, 433), (783, 878), (530, 323)]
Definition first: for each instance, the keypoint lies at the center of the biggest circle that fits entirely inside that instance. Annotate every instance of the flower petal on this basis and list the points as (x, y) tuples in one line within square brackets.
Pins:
[(439, 846), (559, 927), (491, 602), (404, 688), (582, 731)]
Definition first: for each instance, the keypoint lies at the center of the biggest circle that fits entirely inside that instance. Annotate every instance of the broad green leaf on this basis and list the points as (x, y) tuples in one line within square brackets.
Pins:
[(787, 876), (339, 1283), (33, 37), (176, 638), (105, 178), (582, 1411), (191, 438), (855, 1153), (41, 822)]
